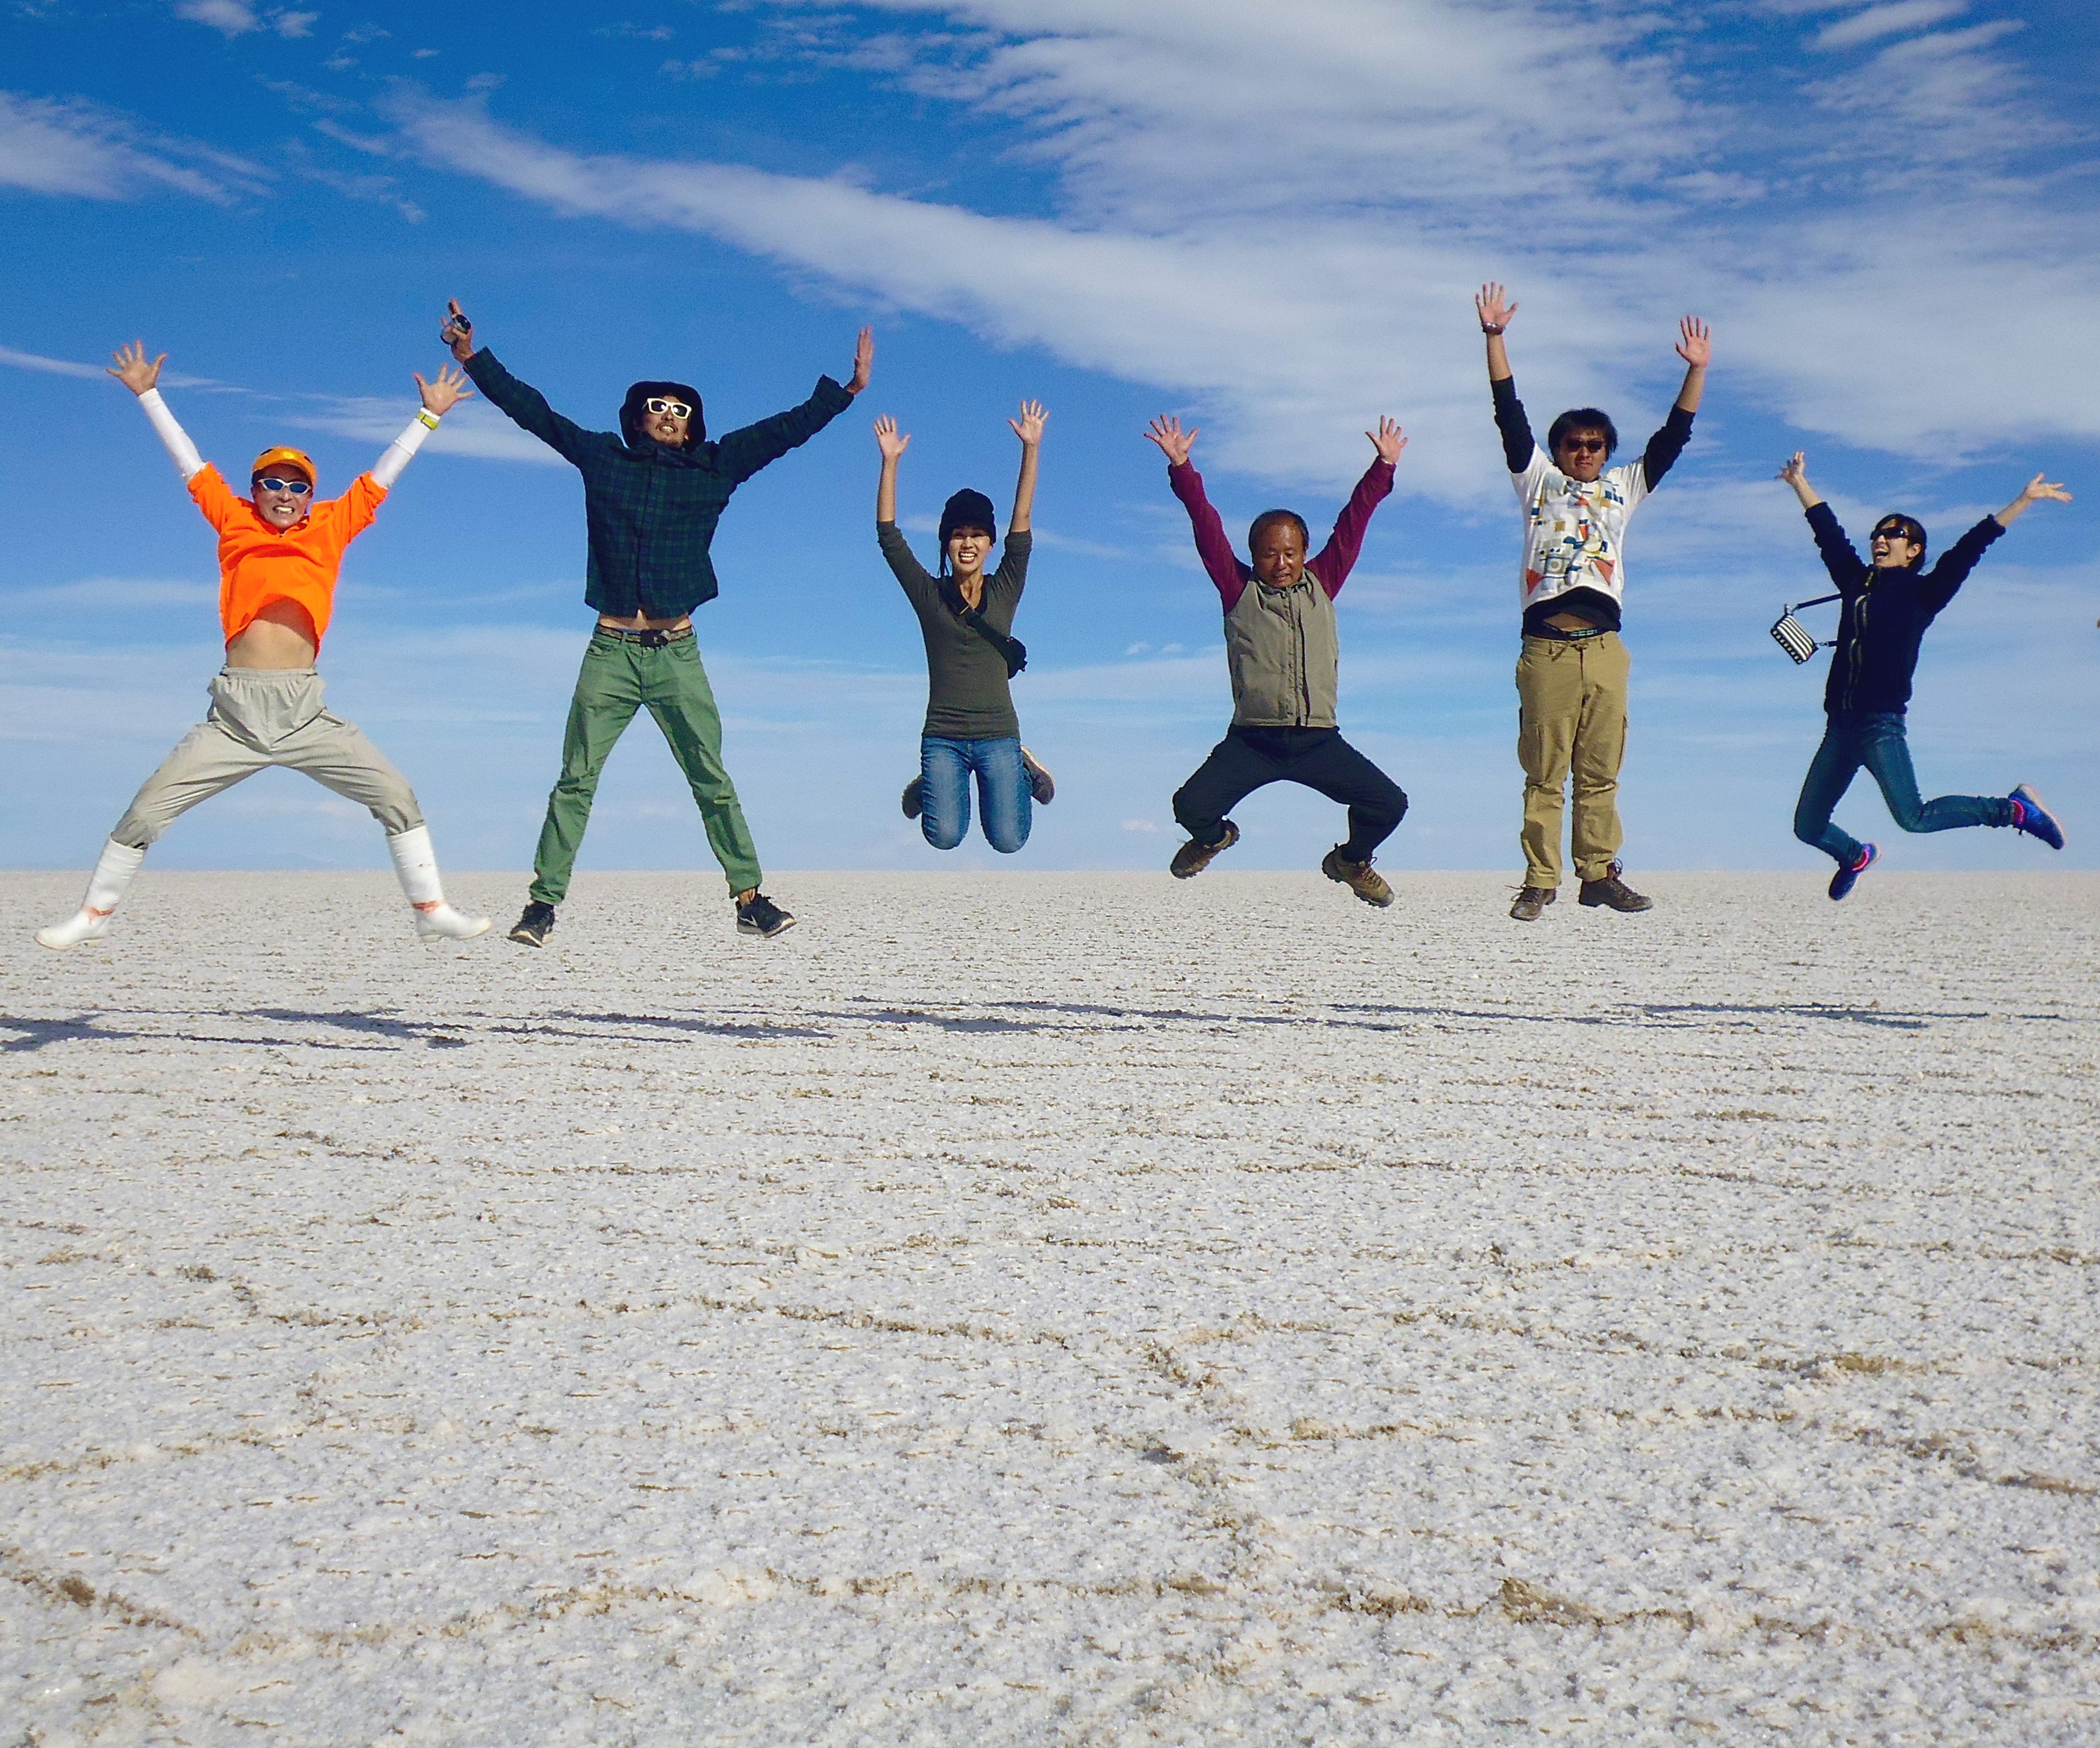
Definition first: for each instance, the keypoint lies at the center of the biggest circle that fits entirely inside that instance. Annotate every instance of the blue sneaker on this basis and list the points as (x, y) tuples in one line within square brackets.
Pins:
[(2030, 817), (1848, 876)]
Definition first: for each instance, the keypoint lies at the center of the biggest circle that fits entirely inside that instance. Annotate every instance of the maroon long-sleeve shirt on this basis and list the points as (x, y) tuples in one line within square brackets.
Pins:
[(1329, 566)]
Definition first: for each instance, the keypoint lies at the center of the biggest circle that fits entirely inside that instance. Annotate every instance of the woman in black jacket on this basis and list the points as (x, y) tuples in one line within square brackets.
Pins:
[(1886, 607)]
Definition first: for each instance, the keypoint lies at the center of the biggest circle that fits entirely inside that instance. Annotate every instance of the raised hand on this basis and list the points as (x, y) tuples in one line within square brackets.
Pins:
[(1174, 443), (1695, 342), (441, 396), (2040, 487), (1495, 309), (1029, 426), (457, 332), (891, 441), (864, 360), (1795, 473), (1388, 439), (133, 368)]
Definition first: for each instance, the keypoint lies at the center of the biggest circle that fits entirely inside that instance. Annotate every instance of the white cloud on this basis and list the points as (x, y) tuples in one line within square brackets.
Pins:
[(1894, 19), (1294, 267), (472, 428), (52, 146), (295, 24), (231, 18), (57, 367)]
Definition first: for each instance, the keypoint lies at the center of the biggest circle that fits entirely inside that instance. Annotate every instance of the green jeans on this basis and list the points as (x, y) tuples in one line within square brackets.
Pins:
[(617, 679)]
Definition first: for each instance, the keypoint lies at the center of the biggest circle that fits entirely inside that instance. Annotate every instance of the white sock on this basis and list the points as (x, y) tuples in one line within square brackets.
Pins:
[(106, 887), (415, 865)]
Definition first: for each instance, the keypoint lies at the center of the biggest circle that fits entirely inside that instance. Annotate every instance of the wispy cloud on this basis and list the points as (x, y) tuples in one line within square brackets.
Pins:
[(1894, 19), (235, 17), (49, 146), (67, 367), (469, 428)]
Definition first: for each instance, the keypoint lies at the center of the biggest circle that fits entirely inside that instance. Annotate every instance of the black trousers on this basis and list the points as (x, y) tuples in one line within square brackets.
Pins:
[(1248, 759)]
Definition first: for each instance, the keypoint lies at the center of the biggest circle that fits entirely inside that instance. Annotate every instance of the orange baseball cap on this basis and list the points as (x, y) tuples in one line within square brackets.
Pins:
[(283, 457)]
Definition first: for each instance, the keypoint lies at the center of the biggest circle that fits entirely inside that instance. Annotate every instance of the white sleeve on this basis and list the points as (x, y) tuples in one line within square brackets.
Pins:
[(188, 463), (1632, 482), (1526, 484), (398, 453)]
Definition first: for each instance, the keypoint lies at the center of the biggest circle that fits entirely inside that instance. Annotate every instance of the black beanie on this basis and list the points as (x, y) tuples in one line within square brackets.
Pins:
[(967, 509), (631, 411)]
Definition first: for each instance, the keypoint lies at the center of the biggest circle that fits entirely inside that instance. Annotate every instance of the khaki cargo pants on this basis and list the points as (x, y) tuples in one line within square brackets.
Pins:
[(261, 717), (1571, 721)]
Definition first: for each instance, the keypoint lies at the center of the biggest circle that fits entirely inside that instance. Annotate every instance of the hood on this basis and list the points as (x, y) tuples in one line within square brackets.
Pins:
[(630, 412)]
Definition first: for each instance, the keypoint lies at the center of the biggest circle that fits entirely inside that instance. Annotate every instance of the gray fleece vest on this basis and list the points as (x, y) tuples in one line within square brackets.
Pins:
[(1281, 646)]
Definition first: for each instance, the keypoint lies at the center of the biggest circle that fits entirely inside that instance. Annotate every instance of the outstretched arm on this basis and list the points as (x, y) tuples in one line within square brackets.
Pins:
[(439, 399), (2034, 491), (1795, 474), (1334, 562), (863, 361), (1220, 562), (140, 374), (892, 443), (1029, 429), (1491, 304), (1694, 346)]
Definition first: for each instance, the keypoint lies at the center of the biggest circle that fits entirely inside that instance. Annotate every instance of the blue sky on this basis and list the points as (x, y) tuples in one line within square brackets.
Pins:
[(1268, 219)]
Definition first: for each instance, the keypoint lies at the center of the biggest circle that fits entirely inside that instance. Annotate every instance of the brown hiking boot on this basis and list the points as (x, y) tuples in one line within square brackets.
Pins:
[(1359, 877), (1614, 892), (1530, 901), (1193, 858)]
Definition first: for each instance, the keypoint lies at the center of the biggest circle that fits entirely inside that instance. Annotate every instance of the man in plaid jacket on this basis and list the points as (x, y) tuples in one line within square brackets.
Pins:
[(653, 492)]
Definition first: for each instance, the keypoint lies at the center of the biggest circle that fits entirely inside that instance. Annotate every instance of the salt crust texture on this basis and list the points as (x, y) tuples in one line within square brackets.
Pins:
[(1053, 1310)]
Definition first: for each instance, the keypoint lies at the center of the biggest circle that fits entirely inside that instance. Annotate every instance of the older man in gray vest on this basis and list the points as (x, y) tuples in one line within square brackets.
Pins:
[(1283, 655)]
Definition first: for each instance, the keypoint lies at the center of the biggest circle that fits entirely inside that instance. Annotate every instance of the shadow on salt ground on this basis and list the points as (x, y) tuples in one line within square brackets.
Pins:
[(438, 1036), (87, 1028), (712, 1028)]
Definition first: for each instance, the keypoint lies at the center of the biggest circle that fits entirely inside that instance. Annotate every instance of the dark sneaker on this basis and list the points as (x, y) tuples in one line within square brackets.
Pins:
[(1847, 876), (1041, 784), (1359, 877), (915, 797), (2030, 817), (1614, 892), (1193, 858), (532, 929), (758, 914), (1530, 901)]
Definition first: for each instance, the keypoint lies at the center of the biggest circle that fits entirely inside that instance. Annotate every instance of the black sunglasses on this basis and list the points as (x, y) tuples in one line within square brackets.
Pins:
[(271, 483), (1584, 445)]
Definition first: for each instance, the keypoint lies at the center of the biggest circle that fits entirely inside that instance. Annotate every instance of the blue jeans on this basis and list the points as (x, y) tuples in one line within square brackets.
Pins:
[(1875, 739), (1004, 794)]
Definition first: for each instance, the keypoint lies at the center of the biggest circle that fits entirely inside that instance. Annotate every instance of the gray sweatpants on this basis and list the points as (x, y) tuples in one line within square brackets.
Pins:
[(261, 717)]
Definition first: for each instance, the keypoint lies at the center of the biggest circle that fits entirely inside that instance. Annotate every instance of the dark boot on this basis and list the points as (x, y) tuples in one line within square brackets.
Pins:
[(1530, 901), (1614, 892)]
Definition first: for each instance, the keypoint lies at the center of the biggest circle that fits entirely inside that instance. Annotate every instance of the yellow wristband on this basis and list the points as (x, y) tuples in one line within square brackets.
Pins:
[(428, 418)]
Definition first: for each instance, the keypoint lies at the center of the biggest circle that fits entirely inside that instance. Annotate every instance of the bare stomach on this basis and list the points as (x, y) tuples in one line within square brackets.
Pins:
[(643, 622), (281, 636), (1570, 622)]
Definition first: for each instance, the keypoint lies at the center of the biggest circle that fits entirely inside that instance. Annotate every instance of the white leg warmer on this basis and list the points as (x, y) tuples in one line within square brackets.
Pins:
[(417, 865), (106, 888)]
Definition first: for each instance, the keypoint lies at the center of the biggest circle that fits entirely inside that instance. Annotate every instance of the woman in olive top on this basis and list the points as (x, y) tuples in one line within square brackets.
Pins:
[(967, 619)]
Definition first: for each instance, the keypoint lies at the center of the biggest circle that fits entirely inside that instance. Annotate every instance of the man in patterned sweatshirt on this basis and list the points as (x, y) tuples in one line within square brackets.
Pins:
[(1571, 679), (1284, 657)]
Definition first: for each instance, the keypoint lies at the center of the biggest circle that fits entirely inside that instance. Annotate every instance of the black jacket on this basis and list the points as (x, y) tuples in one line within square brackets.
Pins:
[(650, 510), (1885, 613)]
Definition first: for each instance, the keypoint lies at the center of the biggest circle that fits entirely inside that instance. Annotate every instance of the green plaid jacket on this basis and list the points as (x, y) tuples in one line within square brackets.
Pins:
[(651, 511)]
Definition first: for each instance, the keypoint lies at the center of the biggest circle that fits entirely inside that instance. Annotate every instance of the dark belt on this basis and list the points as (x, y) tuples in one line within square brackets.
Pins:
[(647, 640), (1562, 634)]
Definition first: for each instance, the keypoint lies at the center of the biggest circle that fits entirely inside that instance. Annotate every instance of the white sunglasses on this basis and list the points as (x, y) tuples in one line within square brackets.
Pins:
[(677, 408)]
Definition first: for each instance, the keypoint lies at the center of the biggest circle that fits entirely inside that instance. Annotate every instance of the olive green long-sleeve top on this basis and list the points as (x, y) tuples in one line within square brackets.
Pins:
[(967, 695)]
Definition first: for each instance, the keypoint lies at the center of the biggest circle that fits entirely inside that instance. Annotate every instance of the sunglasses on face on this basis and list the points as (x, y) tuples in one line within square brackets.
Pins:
[(271, 483), (677, 409), (1892, 534), (1584, 445)]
